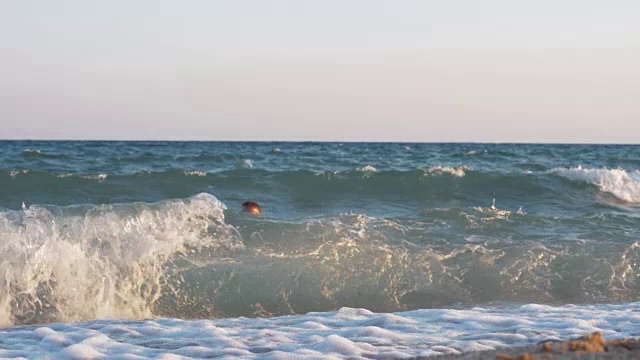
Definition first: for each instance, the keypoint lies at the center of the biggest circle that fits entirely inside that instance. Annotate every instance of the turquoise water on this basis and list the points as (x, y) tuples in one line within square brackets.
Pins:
[(92, 230)]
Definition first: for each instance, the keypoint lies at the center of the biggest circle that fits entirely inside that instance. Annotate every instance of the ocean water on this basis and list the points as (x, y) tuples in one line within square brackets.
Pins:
[(140, 249)]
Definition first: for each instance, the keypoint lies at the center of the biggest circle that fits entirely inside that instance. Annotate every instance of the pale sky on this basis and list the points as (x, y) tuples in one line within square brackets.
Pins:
[(349, 70)]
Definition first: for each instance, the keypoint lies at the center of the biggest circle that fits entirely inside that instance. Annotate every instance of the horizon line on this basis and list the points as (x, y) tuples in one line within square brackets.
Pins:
[(321, 141)]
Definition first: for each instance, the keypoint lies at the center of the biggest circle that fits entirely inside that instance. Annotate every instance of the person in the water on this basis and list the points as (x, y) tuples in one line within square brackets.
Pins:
[(252, 208)]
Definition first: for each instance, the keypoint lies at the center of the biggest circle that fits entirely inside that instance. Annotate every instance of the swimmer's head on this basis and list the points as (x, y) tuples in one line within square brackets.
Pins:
[(251, 208)]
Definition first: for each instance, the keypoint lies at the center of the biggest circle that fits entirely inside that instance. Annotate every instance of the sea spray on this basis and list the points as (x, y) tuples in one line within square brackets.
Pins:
[(108, 261), (185, 258)]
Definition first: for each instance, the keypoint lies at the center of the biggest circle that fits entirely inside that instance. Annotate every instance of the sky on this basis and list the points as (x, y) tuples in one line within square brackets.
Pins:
[(349, 70)]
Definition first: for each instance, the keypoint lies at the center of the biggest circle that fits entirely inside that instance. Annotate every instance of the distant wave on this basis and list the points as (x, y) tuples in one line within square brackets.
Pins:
[(14, 173), (35, 154), (618, 182), (367, 169), (439, 170), (99, 177), (437, 183), (246, 164)]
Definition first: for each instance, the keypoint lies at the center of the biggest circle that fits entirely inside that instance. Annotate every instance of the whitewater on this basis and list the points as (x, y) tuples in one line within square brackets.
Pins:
[(140, 249)]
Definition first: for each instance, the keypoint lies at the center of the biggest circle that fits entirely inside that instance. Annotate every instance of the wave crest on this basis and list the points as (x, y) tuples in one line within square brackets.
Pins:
[(439, 170), (106, 261), (618, 182), (367, 169)]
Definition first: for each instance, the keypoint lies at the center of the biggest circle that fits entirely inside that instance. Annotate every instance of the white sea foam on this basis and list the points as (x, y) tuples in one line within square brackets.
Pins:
[(439, 170), (491, 213), (99, 177), (474, 152), (346, 333), (106, 261), (368, 169), (247, 164), (14, 173), (195, 173), (618, 182)]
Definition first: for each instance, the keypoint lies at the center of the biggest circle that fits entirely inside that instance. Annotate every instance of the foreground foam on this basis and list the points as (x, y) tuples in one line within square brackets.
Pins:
[(347, 333), (184, 259), (108, 261)]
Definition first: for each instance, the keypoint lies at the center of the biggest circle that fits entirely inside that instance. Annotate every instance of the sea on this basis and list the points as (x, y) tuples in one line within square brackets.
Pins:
[(134, 250)]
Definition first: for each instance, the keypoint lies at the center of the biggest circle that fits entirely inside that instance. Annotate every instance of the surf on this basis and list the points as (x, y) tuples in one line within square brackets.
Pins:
[(197, 258)]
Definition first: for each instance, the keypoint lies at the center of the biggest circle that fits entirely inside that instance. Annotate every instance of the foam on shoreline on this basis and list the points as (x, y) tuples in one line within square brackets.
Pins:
[(346, 333)]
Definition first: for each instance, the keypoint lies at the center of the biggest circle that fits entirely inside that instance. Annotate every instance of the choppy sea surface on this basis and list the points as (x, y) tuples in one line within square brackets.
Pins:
[(373, 250)]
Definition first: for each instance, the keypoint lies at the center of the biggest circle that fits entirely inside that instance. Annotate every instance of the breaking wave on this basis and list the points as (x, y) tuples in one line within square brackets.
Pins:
[(618, 182), (191, 258), (439, 170), (108, 261)]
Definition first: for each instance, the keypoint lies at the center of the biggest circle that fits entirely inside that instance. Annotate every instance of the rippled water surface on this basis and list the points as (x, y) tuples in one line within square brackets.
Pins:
[(94, 230)]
